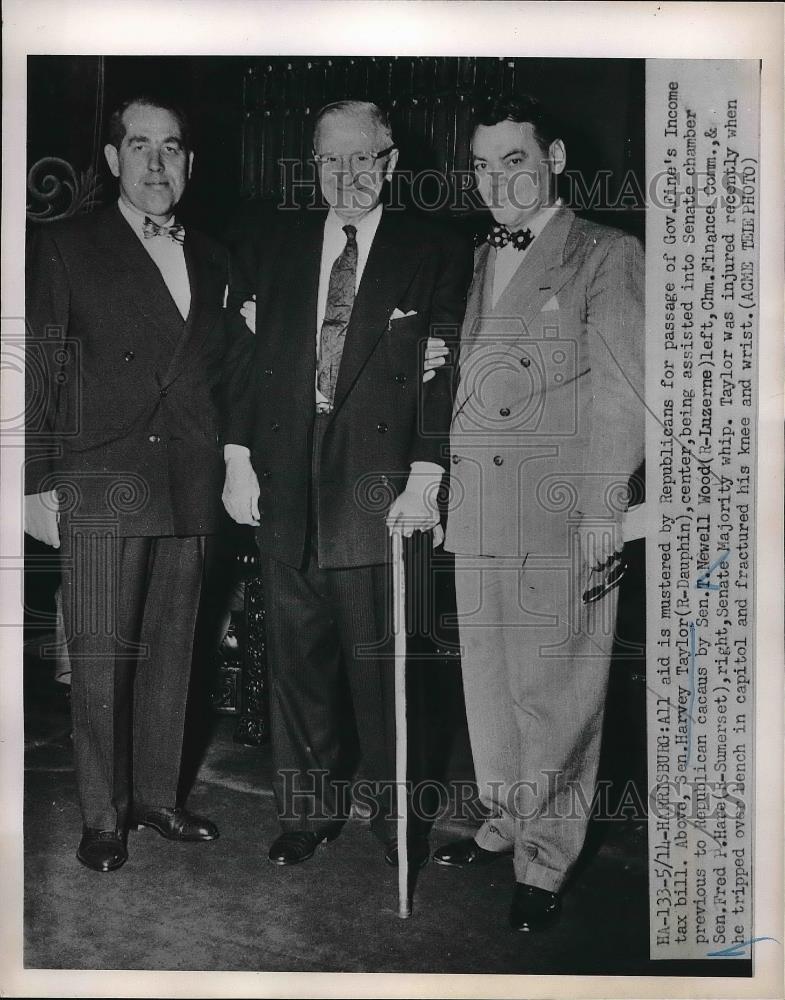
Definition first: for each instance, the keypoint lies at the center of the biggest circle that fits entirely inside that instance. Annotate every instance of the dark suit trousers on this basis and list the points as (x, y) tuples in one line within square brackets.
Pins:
[(333, 696), (129, 608)]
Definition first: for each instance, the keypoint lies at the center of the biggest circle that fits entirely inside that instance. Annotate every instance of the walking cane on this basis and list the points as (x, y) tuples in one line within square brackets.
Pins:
[(399, 631)]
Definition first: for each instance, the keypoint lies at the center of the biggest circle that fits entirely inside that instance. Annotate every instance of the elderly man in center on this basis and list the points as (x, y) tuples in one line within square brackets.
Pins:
[(334, 441)]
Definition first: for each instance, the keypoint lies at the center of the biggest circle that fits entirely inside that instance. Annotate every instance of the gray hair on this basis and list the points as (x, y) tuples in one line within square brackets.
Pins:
[(358, 109)]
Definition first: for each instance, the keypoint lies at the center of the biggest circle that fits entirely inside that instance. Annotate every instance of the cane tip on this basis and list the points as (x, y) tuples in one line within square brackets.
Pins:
[(404, 912)]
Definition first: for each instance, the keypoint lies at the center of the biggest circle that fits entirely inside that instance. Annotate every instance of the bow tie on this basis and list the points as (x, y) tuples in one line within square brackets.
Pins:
[(151, 229), (499, 236)]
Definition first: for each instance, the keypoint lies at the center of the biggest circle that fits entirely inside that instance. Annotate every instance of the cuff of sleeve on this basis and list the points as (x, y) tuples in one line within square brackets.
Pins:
[(425, 478)]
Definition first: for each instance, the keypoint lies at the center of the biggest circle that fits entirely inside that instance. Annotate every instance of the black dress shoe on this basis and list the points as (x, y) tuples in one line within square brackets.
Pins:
[(295, 846), (175, 824), (102, 850), (461, 853), (418, 853), (533, 909)]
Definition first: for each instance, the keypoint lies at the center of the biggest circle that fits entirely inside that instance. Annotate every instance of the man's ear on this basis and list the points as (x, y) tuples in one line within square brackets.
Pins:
[(190, 164), (110, 152), (557, 154), (391, 164)]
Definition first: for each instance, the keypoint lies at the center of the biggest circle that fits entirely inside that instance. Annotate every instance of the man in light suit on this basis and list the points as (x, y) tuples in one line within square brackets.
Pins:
[(125, 345), (335, 441), (546, 431)]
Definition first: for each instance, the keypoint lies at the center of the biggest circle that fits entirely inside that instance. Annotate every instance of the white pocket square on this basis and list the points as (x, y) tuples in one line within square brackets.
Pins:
[(550, 305), (397, 314)]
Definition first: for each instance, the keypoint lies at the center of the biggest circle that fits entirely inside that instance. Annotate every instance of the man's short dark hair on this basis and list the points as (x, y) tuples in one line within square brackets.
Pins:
[(520, 109), (115, 131)]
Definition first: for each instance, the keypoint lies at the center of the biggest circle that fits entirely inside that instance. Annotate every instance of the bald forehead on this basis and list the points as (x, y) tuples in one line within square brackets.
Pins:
[(360, 131)]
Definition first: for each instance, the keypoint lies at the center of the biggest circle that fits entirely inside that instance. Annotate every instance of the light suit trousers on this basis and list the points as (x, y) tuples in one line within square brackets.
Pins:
[(535, 666)]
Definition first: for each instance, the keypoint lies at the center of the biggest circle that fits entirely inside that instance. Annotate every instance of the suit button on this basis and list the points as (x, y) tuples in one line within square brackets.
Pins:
[(268, 372), (266, 474), (164, 392), (381, 427), (525, 362), (129, 356), (456, 459), (275, 426), (504, 411), (498, 460), (153, 439), (400, 378)]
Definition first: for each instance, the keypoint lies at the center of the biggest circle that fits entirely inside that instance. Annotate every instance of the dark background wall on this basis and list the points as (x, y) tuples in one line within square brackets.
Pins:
[(249, 113)]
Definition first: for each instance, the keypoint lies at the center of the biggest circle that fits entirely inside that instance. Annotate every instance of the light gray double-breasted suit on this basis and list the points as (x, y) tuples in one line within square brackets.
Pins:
[(547, 429)]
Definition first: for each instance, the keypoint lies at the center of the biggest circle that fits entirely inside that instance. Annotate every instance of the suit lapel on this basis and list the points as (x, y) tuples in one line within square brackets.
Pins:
[(203, 277), (540, 274), (293, 297), (539, 277), (391, 263), (474, 305), (137, 277)]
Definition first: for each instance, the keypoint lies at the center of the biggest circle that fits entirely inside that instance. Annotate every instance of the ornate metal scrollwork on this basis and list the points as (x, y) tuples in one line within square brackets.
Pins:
[(253, 726), (57, 191)]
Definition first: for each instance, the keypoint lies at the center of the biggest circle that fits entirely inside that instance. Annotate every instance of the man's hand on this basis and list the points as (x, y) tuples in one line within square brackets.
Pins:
[(41, 518), (241, 490), (411, 512), (436, 353), (417, 509), (248, 312)]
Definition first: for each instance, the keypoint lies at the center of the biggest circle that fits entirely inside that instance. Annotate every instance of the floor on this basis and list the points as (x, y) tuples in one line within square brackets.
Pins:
[(222, 906)]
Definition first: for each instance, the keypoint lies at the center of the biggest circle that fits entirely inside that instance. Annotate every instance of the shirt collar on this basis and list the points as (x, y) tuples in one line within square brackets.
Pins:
[(367, 226), (135, 218)]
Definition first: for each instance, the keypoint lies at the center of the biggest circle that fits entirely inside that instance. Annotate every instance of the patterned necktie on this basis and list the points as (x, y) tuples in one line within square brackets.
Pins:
[(499, 236), (340, 300), (151, 229)]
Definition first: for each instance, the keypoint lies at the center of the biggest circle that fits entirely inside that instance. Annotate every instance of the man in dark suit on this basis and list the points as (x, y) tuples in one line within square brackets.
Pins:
[(546, 432), (335, 441), (125, 345)]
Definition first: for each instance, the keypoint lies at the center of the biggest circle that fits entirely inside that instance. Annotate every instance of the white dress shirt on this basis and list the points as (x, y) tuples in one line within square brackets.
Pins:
[(167, 255), (509, 259)]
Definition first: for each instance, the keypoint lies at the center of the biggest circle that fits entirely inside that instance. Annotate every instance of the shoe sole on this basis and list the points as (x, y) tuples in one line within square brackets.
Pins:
[(536, 928), (419, 867), (477, 863), (174, 836)]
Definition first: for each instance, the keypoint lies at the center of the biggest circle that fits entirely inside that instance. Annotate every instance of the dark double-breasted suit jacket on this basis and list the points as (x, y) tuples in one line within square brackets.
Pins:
[(123, 420), (384, 418), (122, 393)]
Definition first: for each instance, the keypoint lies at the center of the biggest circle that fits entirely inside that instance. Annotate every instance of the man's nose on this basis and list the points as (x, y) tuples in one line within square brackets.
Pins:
[(498, 181), (154, 161)]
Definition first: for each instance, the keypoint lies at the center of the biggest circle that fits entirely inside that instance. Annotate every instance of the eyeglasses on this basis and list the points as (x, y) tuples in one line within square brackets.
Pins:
[(357, 161)]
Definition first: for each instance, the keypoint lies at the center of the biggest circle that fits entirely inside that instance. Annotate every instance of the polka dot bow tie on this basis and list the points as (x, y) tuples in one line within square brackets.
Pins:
[(499, 236), (151, 229)]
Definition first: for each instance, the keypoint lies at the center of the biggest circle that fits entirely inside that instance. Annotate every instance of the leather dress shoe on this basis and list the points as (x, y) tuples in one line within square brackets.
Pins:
[(295, 846), (175, 824), (533, 909), (419, 853), (465, 852), (102, 850)]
